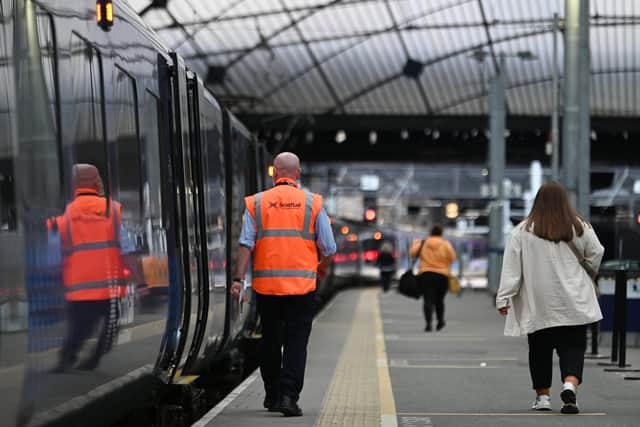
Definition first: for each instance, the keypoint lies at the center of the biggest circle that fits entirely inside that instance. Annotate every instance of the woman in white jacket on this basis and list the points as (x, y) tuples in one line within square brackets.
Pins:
[(547, 294)]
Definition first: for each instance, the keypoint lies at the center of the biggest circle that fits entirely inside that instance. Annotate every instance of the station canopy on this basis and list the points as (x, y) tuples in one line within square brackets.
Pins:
[(394, 57)]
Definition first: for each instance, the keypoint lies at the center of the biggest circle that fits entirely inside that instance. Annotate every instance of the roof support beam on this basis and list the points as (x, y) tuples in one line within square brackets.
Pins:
[(396, 29), (314, 58)]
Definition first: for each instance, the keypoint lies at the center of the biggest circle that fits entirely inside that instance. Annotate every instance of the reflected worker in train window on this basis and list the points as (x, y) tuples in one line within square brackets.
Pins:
[(94, 275), (286, 228), (547, 294)]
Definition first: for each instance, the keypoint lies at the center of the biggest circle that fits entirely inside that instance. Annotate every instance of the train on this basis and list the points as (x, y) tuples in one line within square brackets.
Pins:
[(89, 82)]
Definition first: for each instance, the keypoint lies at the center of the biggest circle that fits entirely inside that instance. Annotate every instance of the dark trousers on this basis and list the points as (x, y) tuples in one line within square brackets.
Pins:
[(434, 289), (286, 326), (385, 279), (570, 342), (83, 317)]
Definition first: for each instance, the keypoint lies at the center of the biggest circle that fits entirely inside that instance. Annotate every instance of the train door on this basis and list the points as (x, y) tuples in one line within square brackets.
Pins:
[(185, 267)]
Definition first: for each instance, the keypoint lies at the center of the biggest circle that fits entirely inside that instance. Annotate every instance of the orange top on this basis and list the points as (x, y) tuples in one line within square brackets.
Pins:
[(436, 255), (285, 257), (93, 268)]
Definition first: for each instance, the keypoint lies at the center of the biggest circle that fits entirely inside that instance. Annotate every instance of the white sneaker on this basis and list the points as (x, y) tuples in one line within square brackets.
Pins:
[(568, 396), (542, 403)]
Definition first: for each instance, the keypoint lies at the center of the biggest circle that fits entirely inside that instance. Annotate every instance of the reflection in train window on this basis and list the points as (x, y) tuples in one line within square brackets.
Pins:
[(7, 130), (88, 137), (152, 189), (127, 185)]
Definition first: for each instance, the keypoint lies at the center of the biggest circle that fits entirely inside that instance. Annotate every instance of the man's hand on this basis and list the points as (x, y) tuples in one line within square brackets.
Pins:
[(236, 288), (504, 310)]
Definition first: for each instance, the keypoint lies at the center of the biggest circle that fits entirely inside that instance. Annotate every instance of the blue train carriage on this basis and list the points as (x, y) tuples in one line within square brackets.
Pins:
[(178, 164)]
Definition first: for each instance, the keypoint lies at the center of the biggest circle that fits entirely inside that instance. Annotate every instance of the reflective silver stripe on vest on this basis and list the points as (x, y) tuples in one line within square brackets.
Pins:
[(286, 233), (258, 213), (303, 274), (96, 285), (307, 212), (92, 246)]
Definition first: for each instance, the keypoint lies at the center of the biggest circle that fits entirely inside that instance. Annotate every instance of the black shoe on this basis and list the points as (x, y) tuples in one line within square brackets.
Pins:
[(288, 407), (440, 325), (427, 328), (270, 403)]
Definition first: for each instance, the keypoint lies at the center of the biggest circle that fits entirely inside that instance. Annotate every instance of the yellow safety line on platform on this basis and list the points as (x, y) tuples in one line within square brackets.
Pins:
[(388, 417), (353, 398), (497, 414)]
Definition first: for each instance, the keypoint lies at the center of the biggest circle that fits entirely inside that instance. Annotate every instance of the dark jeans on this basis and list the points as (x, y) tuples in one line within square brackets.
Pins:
[(434, 288), (570, 342), (385, 279), (286, 322), (83, 317)]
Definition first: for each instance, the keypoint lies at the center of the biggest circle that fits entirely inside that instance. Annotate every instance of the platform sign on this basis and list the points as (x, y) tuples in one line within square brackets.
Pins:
[(369, 182)]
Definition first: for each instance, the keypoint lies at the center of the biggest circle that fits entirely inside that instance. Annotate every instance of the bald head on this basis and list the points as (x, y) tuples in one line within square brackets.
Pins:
[(286, 165)]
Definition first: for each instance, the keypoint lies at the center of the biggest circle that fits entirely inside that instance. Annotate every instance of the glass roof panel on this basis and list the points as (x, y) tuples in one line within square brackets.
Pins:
[(360, 52), (401, 96), (365, 64), (346, 20), (305, 95), (518, 10)]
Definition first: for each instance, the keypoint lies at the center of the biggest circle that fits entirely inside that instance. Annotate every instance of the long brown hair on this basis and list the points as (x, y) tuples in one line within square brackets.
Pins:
[(552, 217)]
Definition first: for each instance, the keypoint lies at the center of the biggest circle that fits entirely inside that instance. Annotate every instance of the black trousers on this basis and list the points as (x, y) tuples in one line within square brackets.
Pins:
[(570, 342), (83, 317), (434, 289), (385, 280), (286, 326)]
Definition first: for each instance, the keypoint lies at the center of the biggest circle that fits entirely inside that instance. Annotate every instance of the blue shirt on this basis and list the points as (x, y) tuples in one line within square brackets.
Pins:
[(324, 235)]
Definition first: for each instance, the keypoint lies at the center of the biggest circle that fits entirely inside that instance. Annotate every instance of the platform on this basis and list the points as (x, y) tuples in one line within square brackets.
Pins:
[(371, 364)]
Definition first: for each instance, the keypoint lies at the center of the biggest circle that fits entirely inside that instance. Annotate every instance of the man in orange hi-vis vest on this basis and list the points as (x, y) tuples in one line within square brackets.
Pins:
[(288, 231), (93, 270)]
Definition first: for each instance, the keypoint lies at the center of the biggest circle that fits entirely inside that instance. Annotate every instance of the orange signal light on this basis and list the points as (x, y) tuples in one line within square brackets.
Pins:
[(109, 14), (377, 235), (344, 229), (104, 14), (370, 214), (270, 170), (98, 12)]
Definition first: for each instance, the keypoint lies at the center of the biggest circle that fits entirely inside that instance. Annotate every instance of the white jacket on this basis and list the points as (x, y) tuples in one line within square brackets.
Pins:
[(545, 285)]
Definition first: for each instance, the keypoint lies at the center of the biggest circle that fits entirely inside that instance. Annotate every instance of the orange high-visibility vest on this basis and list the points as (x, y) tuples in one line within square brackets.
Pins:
[(93, 268), (285, 257)]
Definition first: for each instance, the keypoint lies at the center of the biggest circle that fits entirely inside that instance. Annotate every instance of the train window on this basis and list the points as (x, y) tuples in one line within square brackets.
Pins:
[(86, 126), (213, 182), (127, 174), (7, 130), (48, 55), (152, 187)]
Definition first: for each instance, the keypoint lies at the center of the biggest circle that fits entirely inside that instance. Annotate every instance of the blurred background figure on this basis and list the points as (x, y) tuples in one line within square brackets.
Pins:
[(436, 257), (387, 264), (94, 273)]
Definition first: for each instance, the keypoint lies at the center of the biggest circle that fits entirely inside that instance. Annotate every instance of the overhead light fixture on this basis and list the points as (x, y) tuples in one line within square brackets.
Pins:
[(435, 134), (479, 55), (308, 137), (341, 136), (373, 137), (404, 134)]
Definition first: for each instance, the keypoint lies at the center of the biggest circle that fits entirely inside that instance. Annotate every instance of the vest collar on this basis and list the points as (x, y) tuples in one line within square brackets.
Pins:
[(86, 192), (286, 181)]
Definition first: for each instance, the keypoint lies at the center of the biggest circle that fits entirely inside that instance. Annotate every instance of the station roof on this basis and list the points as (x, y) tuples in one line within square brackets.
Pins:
[(394, 57)]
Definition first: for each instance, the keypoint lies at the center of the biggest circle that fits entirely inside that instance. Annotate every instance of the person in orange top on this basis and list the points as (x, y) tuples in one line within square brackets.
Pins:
[(288, 231), (93, 267), (436, 256)]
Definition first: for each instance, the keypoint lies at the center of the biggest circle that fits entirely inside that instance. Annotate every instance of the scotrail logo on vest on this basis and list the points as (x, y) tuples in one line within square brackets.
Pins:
[(287, 205)]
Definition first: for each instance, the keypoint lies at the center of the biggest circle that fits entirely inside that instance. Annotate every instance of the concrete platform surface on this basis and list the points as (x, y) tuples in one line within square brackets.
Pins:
[(370, 363)]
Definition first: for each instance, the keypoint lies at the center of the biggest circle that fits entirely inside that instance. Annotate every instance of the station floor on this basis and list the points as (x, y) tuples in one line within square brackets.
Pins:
[(370, 363)]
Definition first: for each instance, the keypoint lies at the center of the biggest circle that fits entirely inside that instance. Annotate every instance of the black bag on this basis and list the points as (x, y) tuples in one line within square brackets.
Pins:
[(408, 284)]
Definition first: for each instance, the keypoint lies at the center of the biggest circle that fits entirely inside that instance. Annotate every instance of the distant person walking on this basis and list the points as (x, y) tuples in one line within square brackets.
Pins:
[(387, 264), (546, 293), (436, 256), (288, 231)]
